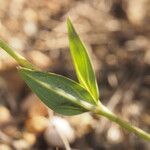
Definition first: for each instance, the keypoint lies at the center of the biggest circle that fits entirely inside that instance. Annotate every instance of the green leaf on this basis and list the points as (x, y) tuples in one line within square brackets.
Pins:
[(83, 66), (61, 94)]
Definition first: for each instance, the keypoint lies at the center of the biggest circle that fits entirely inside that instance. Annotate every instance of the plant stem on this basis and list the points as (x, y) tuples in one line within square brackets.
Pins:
[(20, 59), (102, 110)]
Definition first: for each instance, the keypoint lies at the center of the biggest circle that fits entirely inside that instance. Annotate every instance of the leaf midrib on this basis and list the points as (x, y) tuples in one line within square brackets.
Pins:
[(71, 98)]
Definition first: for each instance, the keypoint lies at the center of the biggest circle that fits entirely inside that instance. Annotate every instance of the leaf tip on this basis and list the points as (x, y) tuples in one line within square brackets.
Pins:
[(68, 21), (71, 31)]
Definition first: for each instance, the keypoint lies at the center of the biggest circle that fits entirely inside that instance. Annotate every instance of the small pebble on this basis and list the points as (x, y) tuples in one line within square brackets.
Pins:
[(4, 147), (36, 124), (59, 129), (21, 144), (33, 106), (5, 115), (30, 28), (29, 137), (114, 135)]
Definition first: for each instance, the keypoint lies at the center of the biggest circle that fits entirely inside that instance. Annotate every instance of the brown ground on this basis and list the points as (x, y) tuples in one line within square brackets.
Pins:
[(117, 34)]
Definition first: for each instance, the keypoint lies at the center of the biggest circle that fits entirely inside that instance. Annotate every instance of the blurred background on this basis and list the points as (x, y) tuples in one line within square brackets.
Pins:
[(117, 34)]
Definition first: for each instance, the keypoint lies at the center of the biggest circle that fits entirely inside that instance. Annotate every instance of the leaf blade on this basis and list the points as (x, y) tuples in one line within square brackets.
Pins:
[(82, 63), (59, 93)]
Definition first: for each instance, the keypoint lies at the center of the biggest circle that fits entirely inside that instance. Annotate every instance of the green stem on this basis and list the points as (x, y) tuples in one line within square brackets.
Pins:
[(102, 110), (20, 59)]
